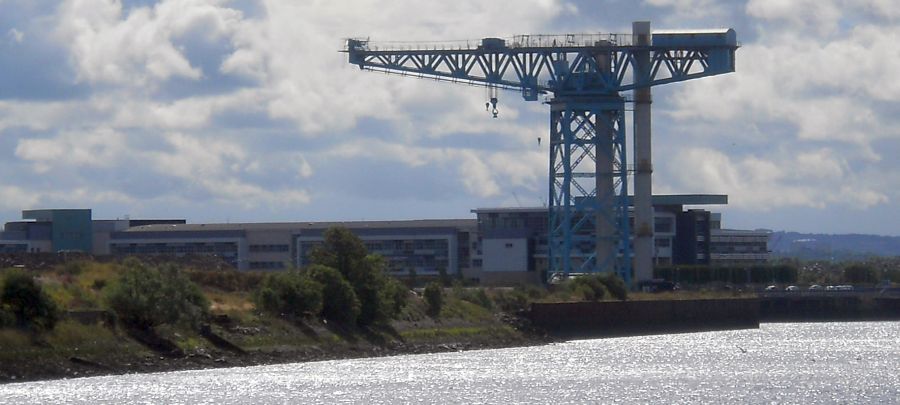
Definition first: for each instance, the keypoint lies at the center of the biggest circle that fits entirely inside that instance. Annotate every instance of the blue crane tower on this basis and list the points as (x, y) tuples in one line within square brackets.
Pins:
[(583, 77)]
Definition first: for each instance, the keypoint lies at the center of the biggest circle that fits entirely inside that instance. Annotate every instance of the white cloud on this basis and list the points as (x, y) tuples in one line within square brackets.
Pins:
[(101, 148), (15, 198), (761, 184), (138, 48), (293, 52), (16, 36)]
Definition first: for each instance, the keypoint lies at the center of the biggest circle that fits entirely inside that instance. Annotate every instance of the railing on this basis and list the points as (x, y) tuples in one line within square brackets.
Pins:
[(517, 41)]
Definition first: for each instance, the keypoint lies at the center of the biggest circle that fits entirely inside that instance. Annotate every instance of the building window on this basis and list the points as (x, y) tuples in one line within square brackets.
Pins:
[(663, 225)]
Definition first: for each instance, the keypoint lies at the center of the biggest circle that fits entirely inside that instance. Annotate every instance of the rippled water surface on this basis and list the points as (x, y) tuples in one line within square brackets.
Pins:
[(799, 363)]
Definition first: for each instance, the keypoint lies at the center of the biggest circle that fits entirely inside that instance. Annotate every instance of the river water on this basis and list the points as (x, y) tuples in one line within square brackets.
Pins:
[(788, 362)]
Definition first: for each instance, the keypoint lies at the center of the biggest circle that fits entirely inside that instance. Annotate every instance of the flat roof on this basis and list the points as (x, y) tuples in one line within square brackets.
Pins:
[(657, 200), (47, 214), (291, 226), (695, 31)]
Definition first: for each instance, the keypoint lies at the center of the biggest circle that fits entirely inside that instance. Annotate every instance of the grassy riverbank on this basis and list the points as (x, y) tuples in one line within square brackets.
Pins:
[(75, 349), (88, 340)]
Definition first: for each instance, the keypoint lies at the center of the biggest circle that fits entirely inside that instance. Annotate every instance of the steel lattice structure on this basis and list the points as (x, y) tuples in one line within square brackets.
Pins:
[(584, 75)]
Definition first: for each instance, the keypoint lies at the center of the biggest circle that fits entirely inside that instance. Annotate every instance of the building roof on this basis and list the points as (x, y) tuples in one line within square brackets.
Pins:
[(657, 200), (740, 232), (292, 226), (692, 31), (48, 214)]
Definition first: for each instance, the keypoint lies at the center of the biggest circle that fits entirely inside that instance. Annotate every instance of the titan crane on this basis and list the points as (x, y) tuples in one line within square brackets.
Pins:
[(583, 76)]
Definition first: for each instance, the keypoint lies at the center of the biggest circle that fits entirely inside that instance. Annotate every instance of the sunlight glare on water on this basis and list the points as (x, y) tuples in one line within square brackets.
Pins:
[(799, 363)]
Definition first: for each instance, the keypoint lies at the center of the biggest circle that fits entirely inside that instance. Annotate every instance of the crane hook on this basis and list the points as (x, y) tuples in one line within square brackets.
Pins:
[(494, 104)]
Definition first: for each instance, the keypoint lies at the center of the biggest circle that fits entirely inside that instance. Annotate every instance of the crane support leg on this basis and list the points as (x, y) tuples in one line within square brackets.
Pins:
[(643, 184), (588, 209)]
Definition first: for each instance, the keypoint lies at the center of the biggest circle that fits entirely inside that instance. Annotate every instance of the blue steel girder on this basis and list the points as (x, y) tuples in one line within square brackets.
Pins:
[(600, 69), (588, 188)]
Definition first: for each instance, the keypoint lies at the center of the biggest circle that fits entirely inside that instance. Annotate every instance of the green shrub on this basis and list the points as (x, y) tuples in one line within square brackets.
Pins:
[(7, 317), (226, 280), (476, 296), (147, 296), (397, 294), (434, 298), (339, 302), (29, 305), (515, 300), (615, 286), (289, 293), (589, 287)]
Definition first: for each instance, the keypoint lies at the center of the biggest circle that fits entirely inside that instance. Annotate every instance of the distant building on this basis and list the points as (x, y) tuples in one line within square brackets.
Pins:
[(732, 247), (426, 247), (500, 246), (514, 240), (56, 230), (65, 230)]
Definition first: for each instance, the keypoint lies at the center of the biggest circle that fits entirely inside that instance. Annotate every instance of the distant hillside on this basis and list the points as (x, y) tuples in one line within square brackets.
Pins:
[(837, 247)]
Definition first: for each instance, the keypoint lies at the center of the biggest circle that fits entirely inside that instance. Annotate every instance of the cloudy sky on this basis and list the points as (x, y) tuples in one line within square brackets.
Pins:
[(243, 110)]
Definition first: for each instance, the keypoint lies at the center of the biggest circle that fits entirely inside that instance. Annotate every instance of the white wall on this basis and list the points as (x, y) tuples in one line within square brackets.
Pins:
[(505, 255)]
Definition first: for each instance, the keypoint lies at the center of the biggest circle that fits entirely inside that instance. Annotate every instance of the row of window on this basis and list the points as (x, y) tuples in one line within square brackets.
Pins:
[(267, 265), (269, 248), (163, 248)]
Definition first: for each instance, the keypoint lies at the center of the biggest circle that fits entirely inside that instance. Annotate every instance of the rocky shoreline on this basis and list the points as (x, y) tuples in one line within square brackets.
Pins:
[(64, 367)]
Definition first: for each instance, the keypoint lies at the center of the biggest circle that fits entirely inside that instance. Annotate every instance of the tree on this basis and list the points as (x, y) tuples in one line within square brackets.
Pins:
[(147, 296), (341, 250), (339, 301), (29, 305), (860, 273), (289, 293), (444, 277), (434, 298), (344, 251)]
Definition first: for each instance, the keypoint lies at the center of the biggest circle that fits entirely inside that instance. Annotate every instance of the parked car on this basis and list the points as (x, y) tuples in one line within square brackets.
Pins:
[(815, 287), (772, 288), (844, 287), (792, 288)]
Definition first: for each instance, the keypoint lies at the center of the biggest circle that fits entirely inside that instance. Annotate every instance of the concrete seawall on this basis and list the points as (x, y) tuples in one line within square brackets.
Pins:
[(602, 319), (846, 307)]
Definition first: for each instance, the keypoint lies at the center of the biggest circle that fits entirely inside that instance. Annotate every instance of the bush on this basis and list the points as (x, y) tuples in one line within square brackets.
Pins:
[(339, 302), (860, 273), (512, 301), (397, 294), (148, 296), (27, 302), (434, 298), (7, 318), (614, 286), (226, 280), (289, 293), (476, 296), (589, 287)]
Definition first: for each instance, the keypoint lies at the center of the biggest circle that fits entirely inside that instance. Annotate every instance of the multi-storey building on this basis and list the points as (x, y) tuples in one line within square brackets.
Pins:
[(499, 246)]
